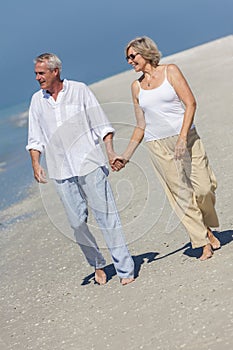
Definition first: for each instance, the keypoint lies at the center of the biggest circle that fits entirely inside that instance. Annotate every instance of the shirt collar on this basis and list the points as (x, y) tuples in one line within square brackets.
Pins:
[(47, 94)]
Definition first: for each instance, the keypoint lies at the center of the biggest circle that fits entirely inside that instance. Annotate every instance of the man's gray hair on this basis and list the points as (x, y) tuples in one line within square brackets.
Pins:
[(52, 60)]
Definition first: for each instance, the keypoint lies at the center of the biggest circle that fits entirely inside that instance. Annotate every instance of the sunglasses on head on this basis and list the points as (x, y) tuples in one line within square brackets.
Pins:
[(131, 56)]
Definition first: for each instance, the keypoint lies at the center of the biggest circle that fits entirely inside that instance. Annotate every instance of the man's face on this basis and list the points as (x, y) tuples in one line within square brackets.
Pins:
[(45, 76)]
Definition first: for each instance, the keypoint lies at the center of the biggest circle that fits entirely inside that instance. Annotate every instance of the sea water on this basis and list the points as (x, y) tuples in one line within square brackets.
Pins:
[(15, 166)]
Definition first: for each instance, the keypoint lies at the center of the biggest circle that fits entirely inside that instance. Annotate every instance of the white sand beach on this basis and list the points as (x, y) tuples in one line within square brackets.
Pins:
[(48, 298)]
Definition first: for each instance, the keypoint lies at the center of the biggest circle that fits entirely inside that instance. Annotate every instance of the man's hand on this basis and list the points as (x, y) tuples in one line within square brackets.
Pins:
[(180, 148), (117, 163), (39, 174)]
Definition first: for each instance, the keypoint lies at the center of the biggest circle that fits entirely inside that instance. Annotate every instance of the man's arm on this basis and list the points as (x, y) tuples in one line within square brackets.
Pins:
[(116, 165), (39, 173)]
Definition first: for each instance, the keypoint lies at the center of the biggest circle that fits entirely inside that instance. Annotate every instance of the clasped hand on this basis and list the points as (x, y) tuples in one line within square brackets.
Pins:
[(117, 163)]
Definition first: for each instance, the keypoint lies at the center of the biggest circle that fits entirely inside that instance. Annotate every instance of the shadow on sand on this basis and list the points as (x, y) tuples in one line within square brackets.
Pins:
[(225, 237), (110, 271)]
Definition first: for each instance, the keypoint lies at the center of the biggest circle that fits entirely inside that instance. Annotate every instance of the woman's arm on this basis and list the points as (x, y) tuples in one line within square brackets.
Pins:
[(138, 132), (185, 94)]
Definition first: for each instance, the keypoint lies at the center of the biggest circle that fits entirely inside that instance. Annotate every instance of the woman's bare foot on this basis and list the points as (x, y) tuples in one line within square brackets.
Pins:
[(213, 240), (207, 252), (100, 276), (125, 281)]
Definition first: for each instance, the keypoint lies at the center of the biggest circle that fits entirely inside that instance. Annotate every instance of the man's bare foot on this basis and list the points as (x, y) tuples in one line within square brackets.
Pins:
[(207, 252), (100, 276), (213, 240), (125, 281)]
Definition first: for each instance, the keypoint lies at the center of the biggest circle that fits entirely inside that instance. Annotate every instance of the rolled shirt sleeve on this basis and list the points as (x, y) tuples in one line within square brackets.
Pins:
[(35, 135)]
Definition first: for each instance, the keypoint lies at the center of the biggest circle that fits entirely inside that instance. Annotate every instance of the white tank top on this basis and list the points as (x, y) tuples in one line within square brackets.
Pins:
[(163, 111)]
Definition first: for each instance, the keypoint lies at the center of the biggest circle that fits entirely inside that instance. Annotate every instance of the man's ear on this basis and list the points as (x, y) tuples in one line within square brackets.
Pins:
[(56, 71)]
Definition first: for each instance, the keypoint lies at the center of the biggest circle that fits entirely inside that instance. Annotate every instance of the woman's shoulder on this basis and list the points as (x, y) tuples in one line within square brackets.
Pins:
[(135, 89), (136, 83), (173, 73), (172, 69)]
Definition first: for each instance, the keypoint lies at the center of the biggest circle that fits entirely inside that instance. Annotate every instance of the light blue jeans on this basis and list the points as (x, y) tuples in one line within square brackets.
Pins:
[(93, 190)]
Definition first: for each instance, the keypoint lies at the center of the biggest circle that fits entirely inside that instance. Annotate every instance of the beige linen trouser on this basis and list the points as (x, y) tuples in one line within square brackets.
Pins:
[(188, 183)]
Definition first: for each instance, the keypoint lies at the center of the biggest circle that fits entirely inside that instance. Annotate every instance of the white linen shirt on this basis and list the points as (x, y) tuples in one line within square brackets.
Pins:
[(68, 130)]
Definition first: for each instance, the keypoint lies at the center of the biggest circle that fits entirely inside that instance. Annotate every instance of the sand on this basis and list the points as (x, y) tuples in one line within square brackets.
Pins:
[(48, 297)]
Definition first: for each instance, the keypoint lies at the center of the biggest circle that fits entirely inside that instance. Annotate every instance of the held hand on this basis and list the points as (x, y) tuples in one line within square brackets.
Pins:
[(180, 148), (117, 163), (39, 174)]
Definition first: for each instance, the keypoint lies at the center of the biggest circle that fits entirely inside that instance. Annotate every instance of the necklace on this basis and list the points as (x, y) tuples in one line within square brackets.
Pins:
[(148, 81), (150, 77)]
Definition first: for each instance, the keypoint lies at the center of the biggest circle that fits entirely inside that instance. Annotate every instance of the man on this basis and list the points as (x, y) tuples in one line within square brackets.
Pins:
[(66, 122)]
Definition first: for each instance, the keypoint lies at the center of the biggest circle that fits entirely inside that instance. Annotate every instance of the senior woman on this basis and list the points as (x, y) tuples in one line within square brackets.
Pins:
[(164, 110)]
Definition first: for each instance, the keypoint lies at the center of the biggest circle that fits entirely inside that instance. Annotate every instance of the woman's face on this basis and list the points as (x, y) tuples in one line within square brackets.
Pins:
[(135, 60)]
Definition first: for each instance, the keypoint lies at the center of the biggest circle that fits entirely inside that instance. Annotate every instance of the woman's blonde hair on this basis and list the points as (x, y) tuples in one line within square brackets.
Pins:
[(147, 48)]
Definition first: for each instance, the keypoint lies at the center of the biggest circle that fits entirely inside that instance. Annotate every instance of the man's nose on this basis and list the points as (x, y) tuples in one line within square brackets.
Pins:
[(38, 76)]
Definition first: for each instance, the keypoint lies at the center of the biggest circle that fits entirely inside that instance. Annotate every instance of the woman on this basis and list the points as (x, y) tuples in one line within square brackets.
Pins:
[(164, 109)]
